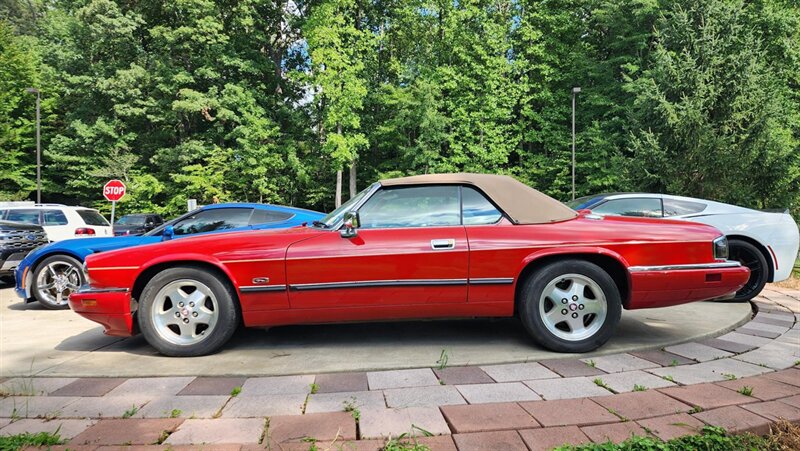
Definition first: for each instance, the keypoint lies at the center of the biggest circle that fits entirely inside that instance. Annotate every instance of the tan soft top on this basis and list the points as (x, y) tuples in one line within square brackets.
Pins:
[(521, 203)]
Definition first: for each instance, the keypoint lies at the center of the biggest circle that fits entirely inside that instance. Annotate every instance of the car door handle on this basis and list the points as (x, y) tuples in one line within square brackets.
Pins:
[(448, 243)]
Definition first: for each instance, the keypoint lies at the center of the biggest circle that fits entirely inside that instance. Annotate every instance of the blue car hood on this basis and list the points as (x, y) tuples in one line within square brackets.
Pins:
[(82, 247)]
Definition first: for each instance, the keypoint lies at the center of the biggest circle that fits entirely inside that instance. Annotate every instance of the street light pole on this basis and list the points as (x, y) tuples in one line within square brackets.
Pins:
[(38, 145), (575, 92)]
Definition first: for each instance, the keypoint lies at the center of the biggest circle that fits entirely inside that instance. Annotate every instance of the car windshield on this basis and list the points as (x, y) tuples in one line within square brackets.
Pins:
[(92, 217), (584, 202), (336, 215), (131, 220)]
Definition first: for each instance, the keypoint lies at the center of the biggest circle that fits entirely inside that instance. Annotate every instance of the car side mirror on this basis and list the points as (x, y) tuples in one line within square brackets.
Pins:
[(351, 223), (168, 233)]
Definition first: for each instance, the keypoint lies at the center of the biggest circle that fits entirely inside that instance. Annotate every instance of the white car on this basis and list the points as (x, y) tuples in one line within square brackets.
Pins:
[(765, 241), (59, 221)]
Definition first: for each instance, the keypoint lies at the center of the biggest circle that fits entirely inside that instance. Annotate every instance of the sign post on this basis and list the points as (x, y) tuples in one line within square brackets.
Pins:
[(113, 191)]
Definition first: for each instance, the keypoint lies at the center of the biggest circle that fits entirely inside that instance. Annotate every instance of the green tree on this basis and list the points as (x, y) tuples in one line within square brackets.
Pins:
[(710, 111)]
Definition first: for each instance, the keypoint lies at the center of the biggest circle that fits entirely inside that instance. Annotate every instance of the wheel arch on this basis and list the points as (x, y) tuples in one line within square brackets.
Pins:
[(39, 259), (761, 248), (611, 262), (150, 271)]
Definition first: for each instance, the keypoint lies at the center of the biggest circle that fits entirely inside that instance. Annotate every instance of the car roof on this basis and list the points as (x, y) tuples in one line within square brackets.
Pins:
[(712, 206), (521, 203), (259, 206)]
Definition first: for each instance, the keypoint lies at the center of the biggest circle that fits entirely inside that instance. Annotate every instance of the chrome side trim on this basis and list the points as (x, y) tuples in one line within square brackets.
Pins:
[(261, 288), (491, 281), (108, 268), (378, 283), (85, 289), (719, 265)]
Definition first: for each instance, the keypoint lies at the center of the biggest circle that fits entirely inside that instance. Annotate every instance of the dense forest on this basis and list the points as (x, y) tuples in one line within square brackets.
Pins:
[(274, 101)]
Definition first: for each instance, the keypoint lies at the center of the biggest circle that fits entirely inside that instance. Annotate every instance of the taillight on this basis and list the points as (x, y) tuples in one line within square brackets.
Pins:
[(84, 231)]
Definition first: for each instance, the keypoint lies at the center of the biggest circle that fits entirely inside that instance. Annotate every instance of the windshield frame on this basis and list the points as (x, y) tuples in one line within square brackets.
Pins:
[(335, 219)]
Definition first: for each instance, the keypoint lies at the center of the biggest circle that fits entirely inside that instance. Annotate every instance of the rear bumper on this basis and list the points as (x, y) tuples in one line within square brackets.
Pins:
[(110, 307), (672, 285)]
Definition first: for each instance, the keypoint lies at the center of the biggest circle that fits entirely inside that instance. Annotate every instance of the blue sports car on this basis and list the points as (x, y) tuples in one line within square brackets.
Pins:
[(50, 273)]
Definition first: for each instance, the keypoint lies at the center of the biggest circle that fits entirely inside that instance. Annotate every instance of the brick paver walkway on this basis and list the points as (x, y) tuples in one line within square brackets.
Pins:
[(743, 381)]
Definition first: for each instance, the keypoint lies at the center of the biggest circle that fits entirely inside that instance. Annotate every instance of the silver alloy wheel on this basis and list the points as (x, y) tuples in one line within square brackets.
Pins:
[(573, 307), (56, 281), (185, 312)]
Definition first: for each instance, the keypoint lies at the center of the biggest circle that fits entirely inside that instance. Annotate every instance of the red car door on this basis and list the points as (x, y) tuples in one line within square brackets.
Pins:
[(410, 249)]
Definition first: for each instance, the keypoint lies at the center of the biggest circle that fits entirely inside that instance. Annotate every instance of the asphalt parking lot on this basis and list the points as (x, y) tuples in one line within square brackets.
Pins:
[(35, 341)]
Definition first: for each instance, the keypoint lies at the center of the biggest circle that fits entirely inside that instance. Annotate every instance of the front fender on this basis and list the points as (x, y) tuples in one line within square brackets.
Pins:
[(175, 259)]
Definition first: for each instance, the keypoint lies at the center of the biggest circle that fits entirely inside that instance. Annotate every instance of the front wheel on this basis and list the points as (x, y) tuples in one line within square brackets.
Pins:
[(749, 256), (570, 306), (54, 279), (187, 311)]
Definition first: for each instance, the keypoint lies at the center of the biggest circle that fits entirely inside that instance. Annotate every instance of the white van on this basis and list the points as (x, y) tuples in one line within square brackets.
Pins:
[(61, 222)]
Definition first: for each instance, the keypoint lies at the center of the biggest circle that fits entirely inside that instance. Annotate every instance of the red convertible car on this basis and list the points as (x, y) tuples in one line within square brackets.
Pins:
[(429, 246)]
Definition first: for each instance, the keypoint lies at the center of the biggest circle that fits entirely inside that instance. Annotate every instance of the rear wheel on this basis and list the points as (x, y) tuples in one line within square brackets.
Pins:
[(54, 279), (187, 311), (570, 306), (749, 255)]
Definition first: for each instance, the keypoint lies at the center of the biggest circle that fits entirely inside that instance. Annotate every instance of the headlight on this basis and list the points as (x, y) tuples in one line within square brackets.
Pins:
[(721, 248)]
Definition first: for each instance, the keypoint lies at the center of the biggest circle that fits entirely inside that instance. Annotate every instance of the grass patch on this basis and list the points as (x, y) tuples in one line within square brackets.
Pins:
[(668, 378), (314, 388), (783, 436), (591, 363), (637, 387), (130, 412), (730, 377), (175, 413), (747, 391), (443, 358), (601, 383), (20, 441)]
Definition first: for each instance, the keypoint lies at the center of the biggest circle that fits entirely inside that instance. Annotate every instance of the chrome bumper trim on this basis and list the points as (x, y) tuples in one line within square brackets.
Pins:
[(89, 290), (711, 266)]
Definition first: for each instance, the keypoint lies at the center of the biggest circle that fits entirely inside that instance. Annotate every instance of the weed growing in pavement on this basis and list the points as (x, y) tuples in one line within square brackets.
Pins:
[(404, 442), (637, 387), (673, 363), (730, 377), (696, 409), (591, 363), (130, 412), (668, 378), (314, 388), (235, 392), (599, 382), (710, 438), (175, 413), (443, 358), (745, 390), (797, 363), (350, 406), (24, 440)]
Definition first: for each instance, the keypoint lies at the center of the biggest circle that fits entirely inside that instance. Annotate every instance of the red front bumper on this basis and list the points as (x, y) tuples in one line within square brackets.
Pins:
[(663, 288), (109, 307)]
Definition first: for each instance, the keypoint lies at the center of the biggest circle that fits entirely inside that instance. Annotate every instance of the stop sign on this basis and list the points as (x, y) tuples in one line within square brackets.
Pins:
[(114, 190)]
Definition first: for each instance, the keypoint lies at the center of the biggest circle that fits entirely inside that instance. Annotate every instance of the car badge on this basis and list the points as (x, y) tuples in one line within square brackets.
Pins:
[(31, 237)]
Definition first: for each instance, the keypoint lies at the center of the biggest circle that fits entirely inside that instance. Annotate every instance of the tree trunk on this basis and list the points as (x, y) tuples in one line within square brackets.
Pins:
[(338, 188), (353, 179)]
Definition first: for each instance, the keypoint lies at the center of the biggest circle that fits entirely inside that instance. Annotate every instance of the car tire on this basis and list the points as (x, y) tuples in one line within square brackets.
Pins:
[(562, 317), (187, 312), (751, 257), (54, 279)]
